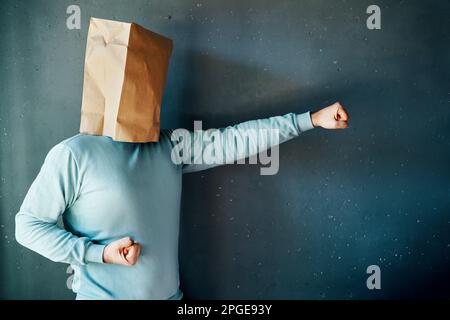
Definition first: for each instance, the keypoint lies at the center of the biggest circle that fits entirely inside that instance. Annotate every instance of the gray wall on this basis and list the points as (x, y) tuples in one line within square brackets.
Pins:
[(377, 193)]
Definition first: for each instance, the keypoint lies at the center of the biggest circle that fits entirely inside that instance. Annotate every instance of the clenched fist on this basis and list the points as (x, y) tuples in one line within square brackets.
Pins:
[(331, 117), (123, 251)]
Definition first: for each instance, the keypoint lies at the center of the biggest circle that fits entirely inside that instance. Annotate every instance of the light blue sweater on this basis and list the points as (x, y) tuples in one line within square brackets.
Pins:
[(106, 190)]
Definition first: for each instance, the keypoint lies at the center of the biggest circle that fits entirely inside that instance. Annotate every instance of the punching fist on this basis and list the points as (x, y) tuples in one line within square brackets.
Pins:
[(123, 251), (331, 117)]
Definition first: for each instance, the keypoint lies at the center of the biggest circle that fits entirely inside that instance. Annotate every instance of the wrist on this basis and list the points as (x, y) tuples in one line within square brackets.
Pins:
[(105, 256), (95, 253), (314, 119), (304, 122)]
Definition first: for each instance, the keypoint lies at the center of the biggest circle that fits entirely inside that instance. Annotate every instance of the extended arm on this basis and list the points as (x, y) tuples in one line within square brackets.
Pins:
[(200, 150)]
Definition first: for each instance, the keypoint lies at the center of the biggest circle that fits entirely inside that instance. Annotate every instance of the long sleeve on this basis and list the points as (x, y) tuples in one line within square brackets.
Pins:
[(200, 150), (53, 191)]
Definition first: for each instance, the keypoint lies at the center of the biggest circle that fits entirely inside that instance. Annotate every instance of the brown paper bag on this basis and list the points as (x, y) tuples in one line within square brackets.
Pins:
[(124, 77)]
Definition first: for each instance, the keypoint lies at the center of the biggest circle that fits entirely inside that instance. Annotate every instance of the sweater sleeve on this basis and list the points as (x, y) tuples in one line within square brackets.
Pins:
[(200, 149), (55, 189)]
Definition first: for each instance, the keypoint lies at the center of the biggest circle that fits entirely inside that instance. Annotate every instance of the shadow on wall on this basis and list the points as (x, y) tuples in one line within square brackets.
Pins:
[(221, 93), (215, 255)]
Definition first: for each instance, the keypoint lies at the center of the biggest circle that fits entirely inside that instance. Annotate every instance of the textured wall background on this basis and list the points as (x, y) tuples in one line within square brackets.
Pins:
[(377, 193)]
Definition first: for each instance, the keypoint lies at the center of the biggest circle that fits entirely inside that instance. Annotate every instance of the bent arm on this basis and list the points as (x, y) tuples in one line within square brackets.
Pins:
[(53, 191), (200, 150)]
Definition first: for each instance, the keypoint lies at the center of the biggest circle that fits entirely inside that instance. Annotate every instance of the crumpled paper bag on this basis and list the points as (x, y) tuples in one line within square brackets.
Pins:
[(124, 77)]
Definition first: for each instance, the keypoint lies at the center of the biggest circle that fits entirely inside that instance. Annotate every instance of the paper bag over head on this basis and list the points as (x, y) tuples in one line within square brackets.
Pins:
[(124, 77)]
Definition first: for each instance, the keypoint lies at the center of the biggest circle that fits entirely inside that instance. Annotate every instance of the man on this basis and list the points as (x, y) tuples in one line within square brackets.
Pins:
[(120, 201)]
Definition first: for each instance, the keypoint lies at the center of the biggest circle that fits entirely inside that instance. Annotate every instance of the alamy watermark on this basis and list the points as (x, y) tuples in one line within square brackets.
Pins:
[(74, 20), (227, 146), (374, 280), (374, 20)]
